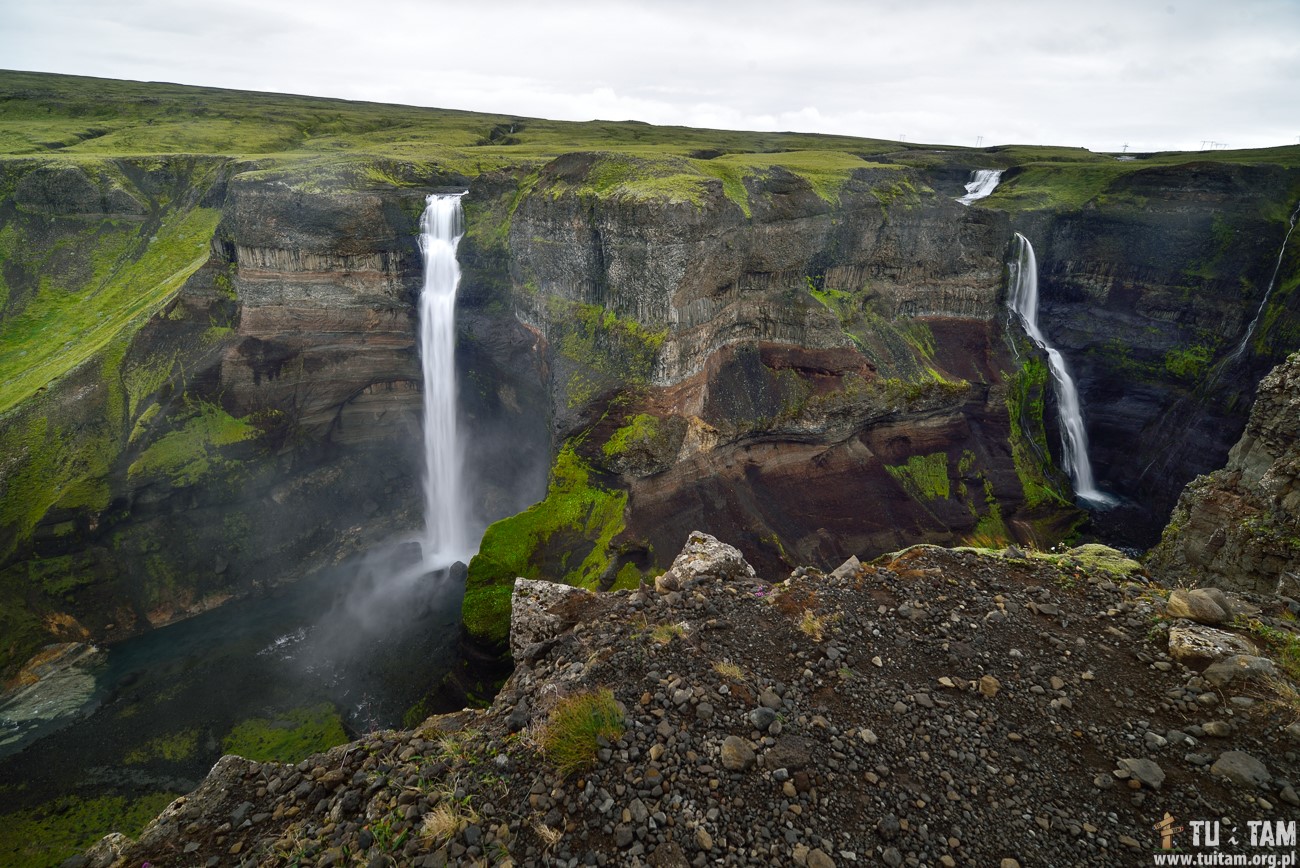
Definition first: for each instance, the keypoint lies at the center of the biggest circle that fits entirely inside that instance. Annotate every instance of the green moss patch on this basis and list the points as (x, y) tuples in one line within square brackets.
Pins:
[(639, 432), (50, 833), (58, 330), (173, 748), (187, 455), (575, 512), (289, 738), (1026, 390), (925, 477)]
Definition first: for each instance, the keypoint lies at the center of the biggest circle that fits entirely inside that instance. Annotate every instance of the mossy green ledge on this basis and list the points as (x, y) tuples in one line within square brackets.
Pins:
[(565, 537)]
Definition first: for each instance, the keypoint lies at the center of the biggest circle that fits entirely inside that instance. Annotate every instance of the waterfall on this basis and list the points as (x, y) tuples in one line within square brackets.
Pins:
[(1074, 438), (982, 183), (445, 534), (1250, 329)]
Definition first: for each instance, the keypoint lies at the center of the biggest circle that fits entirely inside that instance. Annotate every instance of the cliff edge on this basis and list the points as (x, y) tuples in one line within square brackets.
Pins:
[(933, 707)]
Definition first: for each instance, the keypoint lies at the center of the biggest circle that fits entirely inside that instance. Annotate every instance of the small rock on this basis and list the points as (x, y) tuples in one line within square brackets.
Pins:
[(761, 718), (817, 858), (1145, 770), (737, 756), (989, 686)]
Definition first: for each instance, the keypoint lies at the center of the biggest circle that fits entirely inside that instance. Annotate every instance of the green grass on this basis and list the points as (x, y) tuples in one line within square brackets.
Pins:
[(51, 832), (569, 738), (61, 329), (173, 747), (289, 738)]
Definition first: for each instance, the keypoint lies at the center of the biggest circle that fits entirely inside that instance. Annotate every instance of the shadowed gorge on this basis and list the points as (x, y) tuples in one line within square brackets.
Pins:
[(215, 384)]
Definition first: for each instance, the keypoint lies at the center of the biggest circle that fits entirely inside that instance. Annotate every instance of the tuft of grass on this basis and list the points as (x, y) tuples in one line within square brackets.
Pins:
[(446, 821), (569, 737), (665, 633), (811, 625), (727, 669)]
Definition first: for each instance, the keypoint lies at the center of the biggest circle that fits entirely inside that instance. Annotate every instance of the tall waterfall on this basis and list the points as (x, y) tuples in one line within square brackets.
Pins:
[(1074, 438), (446, 538), (1250, 329), (982, 183)]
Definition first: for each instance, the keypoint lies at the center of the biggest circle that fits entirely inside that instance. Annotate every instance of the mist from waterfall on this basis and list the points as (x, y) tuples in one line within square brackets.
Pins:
[(982, 184), (1023, 300), (446, 538), (1250, 329)]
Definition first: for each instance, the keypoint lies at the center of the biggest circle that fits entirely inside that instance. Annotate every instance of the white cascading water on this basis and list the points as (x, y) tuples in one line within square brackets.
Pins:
[(1250, 330), (446, 538), (1074, 438), (982, 183)]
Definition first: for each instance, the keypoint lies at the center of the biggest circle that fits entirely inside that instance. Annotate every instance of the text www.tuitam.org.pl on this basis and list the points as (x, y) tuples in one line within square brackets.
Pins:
[(1214, 842)]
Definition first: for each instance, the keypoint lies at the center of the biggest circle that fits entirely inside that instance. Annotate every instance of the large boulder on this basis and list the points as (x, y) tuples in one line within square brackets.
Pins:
[(702, 557), (1197, 646), (538, 614), (1202, 605), (1240, 668)]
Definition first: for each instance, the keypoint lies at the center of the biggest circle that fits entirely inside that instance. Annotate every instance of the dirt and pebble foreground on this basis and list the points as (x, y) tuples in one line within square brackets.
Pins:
[(934, 707)]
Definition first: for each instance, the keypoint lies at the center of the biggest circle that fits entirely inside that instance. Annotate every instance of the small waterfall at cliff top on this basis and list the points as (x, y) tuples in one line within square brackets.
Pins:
[(982, 183), (446, 537), (1250, 329), (1074, 438)]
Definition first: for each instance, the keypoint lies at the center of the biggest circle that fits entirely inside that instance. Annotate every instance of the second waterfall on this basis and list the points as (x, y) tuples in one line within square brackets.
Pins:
[(1074, 437), (446, 537)]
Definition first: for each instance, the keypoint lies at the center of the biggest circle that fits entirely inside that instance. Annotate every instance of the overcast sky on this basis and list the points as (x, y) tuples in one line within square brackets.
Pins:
[(1097, 73)]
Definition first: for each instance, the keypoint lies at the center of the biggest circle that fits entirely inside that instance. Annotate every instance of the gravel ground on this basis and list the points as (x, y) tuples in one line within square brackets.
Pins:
[(934, 707)]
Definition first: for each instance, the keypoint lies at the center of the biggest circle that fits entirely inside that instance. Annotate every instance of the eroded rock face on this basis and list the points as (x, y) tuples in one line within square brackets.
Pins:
[(1239, 527)]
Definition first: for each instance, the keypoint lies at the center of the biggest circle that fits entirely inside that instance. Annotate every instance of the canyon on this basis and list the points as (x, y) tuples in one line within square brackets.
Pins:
[(211, 391), (802, 344)]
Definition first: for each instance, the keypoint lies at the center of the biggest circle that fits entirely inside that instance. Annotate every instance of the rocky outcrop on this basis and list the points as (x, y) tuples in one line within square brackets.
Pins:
[(919, 707), (1239, 527)]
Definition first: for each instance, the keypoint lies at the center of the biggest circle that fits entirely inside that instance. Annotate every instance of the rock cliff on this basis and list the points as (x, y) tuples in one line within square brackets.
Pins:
[(1239, 527)]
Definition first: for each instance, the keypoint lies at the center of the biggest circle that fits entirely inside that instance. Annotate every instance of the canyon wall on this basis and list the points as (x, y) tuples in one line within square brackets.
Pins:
[(810, 368)]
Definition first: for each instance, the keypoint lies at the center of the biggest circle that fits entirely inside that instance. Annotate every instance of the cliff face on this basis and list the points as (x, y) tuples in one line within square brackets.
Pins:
[(1239, 527), (817, 375), (814, 362), (261, 420), (1149, 289)]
